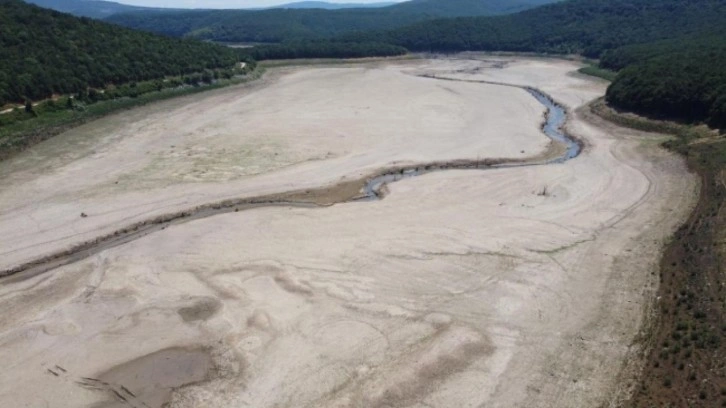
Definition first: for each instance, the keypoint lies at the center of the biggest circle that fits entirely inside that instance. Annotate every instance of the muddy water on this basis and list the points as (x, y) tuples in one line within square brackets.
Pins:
[(148, 381)]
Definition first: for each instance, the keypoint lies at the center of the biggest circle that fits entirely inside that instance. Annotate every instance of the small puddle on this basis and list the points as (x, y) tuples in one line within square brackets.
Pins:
[(148, 381)]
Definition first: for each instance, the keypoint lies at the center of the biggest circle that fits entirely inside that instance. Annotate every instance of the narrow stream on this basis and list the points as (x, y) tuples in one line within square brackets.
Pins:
[(556, 116), (373, 189)]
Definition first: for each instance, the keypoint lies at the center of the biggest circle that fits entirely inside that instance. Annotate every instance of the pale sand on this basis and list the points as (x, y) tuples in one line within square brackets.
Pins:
[(459, 289)]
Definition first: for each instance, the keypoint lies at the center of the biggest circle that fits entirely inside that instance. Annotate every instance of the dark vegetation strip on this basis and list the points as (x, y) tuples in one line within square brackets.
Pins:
[(44, 53), (670, 54), (682, 79), (586, 27), (665, 58), (29, 126), (686, 363), (322, 49), (596, 71), (58, 71), (307, 24)]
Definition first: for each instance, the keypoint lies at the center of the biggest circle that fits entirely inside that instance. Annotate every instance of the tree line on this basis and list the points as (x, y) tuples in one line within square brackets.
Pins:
[(322, 49), (586, 27), (282, 25), (681, 79), (670, 54), (43, 52)]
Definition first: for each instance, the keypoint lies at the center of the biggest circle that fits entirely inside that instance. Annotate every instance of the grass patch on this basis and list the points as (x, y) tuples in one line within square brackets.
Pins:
[(20, 135), (601, 109), (594, 70), (688, 338)]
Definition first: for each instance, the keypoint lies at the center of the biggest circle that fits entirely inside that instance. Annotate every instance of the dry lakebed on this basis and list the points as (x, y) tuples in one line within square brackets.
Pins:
[(239, 249)]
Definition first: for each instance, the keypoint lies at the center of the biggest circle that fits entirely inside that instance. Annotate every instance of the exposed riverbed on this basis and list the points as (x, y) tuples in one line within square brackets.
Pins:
[(555, 117), (224, 276)]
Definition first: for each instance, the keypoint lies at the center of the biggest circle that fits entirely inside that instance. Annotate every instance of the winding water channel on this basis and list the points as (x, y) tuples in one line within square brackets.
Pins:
[(373, 189), (556, 117)]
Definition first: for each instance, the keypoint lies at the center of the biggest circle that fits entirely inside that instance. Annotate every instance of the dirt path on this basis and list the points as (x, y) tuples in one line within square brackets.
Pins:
[(461, 288)]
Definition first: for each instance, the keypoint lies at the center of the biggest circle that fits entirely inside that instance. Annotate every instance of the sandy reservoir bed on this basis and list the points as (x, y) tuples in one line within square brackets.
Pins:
[(516, 287)]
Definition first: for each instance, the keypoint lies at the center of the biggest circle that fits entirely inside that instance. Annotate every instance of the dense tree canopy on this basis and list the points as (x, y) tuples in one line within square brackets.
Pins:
[(672, 53), (683, 79), (587, 27), (279, 25), (44, 52), (322, 49), (711, 39), (460, 8), (86, 8)]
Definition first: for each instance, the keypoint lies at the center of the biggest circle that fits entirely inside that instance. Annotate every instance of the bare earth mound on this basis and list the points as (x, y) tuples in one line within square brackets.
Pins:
[(507, 287)]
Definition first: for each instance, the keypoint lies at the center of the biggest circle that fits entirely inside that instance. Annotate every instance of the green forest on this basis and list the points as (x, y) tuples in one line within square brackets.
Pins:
[(43, 52), (85, 8), (669, 54), (278, 25), (586, 27), (322, 49), (682, 79)]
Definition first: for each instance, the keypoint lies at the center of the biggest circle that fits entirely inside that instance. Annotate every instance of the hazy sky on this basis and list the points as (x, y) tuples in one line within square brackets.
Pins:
[(226, 3)]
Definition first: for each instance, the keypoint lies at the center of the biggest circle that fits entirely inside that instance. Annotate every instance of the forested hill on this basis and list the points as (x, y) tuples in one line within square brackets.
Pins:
[(683, 78), (278, 25), (43, 52), (587, 27), (101, 9), (86, 8), (328, 6), (672, 53), (462, 8)]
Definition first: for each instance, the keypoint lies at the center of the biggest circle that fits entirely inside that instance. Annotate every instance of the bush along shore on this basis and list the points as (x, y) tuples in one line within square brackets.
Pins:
[(24, 126), (685, 363)]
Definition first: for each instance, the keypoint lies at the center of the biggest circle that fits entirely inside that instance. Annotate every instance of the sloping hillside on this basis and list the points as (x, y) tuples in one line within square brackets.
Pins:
[(682, 78), (460, 8), (277, 25), (330, 6), (576, 26), (102, 9), (86, 8), (43, 52), (677, 71)]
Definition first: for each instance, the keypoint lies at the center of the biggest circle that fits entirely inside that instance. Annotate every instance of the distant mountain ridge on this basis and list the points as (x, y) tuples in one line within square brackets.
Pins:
[(87, 8), (101, 9), (467, 8), (279, 25), (330, 6)]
